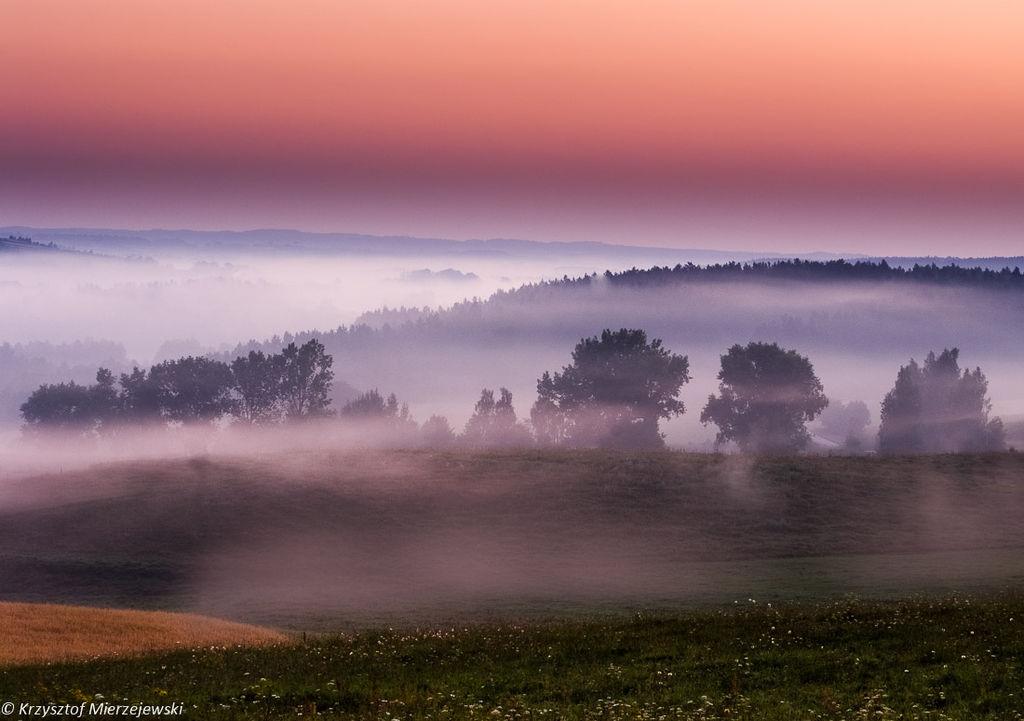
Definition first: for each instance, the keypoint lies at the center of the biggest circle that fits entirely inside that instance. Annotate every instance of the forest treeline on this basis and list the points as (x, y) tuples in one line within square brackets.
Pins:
[(615, 393), (502, 313)]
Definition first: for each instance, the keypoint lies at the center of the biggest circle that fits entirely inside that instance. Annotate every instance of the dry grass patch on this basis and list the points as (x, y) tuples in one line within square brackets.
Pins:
[(40, 633)]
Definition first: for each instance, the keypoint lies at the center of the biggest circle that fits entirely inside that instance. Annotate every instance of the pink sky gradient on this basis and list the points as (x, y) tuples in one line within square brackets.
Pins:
[(793, 125)]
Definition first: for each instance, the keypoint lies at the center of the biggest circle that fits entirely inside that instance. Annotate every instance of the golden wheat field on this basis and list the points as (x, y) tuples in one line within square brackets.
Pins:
[(41, 633)]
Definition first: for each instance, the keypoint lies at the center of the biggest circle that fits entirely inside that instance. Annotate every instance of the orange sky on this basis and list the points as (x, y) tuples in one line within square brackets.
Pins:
[(592, 119)]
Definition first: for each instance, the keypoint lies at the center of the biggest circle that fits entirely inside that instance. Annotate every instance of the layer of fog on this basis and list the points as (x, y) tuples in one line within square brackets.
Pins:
[(856, 333), (143, 304), (364, 537), (67, 314)]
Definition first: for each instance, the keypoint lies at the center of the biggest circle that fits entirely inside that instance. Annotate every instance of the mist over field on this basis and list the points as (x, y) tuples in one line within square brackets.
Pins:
[(364, 520), (153, 308), (366, 537), (76, 312), (856, 334), (121, 298), (465, 447)]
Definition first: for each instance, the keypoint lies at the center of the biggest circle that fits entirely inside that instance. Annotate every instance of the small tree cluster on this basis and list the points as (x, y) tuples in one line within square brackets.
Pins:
[(937, 408), (494, 423), (373, 406)]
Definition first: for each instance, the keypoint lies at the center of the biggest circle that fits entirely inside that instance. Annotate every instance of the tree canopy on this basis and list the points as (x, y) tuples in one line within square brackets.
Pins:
[(257, 381), (766, 396), (193, 389), (306, 379), (613, 394)]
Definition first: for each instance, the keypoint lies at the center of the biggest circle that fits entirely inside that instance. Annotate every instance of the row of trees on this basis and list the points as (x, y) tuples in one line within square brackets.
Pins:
[(615, 392), (257, 389), (619, 387)]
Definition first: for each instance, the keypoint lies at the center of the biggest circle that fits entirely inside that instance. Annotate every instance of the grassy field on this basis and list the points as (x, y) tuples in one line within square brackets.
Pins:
[(35, 633), (927, 659), (331, 539)]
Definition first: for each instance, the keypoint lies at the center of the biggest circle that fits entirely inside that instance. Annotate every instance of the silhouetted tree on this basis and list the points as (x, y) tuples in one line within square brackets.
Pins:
[(193, 389), (59, 406), (437, 432), (105, 401), (86, 410), (614, 393), (306, 378), (139, 398), (766, 397), (937, 408), (494, 423), (257, 380)]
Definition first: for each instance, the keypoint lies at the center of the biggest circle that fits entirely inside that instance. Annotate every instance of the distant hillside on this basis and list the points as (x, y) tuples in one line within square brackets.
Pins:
[(30, 246), (858, 322), (270, 241), (22, 244), (839, 270), (997, 262)]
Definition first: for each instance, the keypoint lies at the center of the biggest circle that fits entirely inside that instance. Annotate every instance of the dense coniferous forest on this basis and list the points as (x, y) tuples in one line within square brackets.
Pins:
[(857, 307), (838, 271)]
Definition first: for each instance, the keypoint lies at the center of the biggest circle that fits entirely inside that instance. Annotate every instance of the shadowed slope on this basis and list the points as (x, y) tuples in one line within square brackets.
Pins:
[(380, 537)]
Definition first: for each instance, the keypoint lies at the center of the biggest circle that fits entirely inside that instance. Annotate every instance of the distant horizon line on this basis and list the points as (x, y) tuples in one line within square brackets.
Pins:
[(472, 239), (754, 254)]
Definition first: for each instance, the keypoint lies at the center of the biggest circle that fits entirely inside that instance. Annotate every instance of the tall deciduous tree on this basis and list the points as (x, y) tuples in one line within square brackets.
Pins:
[(257, 380), (139, 398), (306, 379), (615, 392), (766, 396)]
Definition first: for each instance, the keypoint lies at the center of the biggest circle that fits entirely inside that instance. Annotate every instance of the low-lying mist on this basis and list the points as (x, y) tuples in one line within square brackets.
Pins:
[(360, 536), (857, 333), (144, 303)]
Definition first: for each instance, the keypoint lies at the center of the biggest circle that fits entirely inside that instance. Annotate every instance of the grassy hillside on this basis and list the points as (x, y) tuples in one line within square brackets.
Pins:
[(953, 660), (38, 633), (326, 539)]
